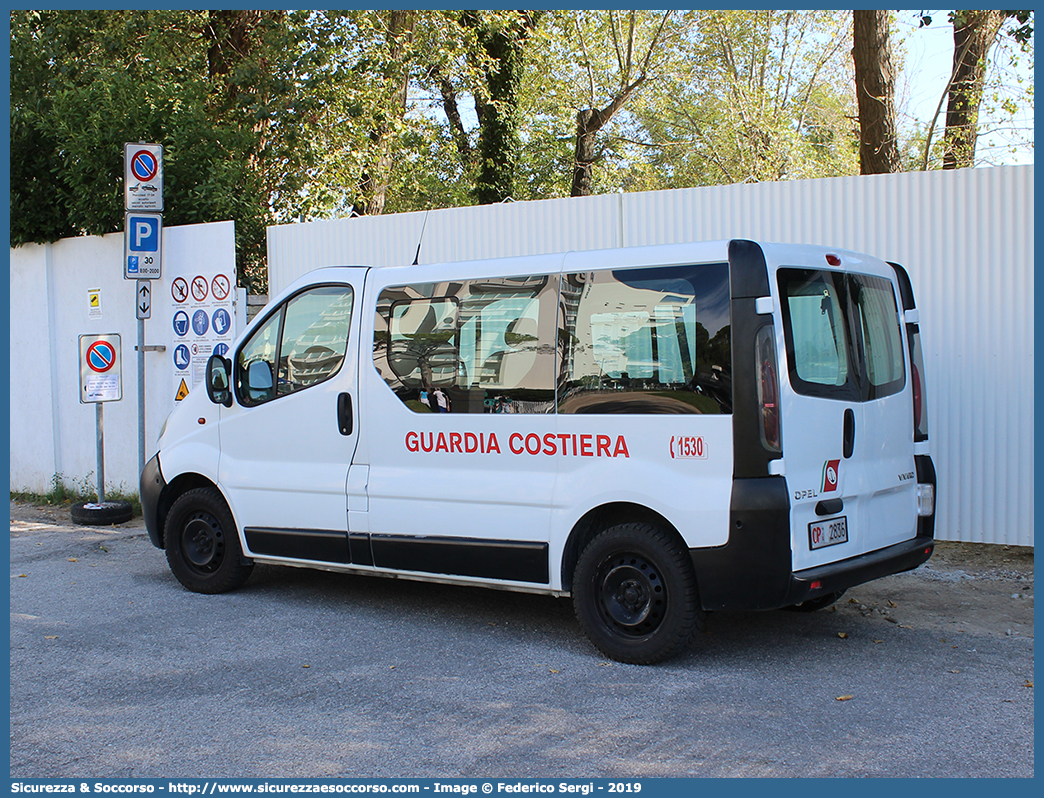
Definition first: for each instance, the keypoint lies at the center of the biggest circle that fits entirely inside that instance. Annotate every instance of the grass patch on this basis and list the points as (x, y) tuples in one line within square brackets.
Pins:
[(66, 494)]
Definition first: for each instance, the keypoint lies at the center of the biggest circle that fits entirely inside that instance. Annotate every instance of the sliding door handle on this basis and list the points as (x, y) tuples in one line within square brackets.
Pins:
[(344, 413)]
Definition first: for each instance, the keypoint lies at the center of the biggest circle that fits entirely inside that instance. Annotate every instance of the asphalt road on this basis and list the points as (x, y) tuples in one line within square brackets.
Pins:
[(118, 672)]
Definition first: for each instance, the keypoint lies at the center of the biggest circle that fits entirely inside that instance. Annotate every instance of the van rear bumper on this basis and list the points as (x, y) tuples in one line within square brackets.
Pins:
[(841, 575), (753, 570), (770, 585)]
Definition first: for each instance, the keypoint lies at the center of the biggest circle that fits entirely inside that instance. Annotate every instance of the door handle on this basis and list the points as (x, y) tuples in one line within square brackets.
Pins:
[(830, 506), (344, 413), (849, 432)]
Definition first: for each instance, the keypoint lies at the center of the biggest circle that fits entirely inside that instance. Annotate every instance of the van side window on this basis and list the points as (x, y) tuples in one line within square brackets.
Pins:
[(647, 341), (473, 346), (302, 344)]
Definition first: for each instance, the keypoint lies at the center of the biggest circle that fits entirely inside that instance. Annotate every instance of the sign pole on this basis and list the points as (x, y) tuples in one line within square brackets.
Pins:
[(99, 418), (141, 395), (143, 247)]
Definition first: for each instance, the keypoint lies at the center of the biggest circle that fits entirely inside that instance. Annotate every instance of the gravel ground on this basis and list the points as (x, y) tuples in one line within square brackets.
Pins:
[(117, 672)]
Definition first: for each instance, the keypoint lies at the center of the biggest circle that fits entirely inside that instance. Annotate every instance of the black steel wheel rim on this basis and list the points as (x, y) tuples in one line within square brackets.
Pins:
[(203, 543), (633, 597)]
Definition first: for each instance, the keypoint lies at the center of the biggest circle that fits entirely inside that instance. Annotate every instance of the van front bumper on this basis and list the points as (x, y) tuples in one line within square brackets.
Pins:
[(150, 489)]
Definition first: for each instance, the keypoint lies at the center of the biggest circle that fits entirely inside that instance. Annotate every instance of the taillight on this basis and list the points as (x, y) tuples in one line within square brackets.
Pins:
[(768, 389), (920, 396)]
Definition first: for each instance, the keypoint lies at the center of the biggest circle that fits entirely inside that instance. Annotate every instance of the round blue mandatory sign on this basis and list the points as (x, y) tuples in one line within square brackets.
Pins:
[(221, 321), (200, 322), (181, 356), (221, 349), (181, 323)]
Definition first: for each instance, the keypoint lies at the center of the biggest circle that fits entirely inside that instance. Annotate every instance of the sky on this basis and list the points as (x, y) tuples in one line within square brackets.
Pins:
[(929, 59)]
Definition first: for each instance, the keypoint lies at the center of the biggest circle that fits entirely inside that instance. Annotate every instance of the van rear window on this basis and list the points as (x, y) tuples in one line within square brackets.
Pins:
[(842, 334)]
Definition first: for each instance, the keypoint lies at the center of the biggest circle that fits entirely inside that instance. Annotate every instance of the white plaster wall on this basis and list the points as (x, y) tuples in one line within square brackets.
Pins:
[(51, 431)]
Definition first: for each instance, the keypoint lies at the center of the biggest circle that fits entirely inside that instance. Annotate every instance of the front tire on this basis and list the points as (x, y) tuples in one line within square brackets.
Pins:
[(202, 543), (634, 594)]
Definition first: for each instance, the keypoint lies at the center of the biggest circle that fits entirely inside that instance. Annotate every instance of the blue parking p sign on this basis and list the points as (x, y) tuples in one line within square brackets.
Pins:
[(143, 239)]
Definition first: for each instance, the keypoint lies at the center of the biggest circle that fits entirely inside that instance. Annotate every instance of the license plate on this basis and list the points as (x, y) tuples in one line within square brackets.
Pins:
[(828, 533)]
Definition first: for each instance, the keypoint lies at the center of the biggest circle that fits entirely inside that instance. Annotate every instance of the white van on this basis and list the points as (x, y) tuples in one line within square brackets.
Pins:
[(657, 432)]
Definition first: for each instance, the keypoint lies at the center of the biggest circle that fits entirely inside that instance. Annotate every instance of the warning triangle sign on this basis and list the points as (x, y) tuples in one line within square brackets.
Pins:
[(182, 391)]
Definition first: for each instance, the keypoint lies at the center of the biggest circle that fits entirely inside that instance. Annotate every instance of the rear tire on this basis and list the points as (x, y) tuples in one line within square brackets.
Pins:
[(634, 594), (202, 543)]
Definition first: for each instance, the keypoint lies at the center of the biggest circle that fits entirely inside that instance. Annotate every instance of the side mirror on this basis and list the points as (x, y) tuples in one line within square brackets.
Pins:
[(260, 385), (217, 380)]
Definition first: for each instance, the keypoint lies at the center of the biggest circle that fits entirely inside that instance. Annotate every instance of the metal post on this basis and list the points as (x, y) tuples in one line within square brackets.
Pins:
[(141, 392), (100, 422)]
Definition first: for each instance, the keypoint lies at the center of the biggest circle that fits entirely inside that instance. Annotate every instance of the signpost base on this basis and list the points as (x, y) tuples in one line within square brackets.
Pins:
[(101, 513)]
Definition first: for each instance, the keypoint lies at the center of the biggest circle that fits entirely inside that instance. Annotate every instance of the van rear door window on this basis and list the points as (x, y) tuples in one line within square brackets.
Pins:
[(842, 334)]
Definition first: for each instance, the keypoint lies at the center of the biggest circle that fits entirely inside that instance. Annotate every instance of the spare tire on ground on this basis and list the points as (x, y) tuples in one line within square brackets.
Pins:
[(102, 514)]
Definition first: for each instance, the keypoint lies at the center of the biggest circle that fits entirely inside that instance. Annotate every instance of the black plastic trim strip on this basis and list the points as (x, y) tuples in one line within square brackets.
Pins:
[(359, 548), (748, 280), (510, 560), (837, 576), (322, 545), (926, 474), (748, 276), (752, 570), (150, 488), (905, 286)]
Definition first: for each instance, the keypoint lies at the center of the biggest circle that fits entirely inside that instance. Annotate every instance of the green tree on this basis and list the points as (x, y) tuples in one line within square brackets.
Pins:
[(763, 95), (205, 85), (975, 33)]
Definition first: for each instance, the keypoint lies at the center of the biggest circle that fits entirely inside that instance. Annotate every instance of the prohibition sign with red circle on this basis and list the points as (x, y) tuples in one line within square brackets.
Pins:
[(179, 289), (220, 286), (144, 165), (101, 356), (200, 287)]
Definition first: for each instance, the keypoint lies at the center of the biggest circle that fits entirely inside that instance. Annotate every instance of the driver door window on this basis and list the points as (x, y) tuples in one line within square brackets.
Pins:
[(302, 344)]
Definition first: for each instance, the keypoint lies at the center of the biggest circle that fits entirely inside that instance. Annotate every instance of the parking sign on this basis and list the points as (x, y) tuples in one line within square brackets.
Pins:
[(143, 245)]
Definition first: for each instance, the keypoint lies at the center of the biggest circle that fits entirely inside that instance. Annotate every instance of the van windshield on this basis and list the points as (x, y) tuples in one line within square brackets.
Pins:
[(842, 334)]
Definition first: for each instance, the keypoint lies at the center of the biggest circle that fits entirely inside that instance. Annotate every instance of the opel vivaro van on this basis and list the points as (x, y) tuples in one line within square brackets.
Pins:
[(656, 432)]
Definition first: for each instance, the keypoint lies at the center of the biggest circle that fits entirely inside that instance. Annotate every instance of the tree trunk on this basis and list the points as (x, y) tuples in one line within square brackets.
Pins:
[(588, 123), (875, 90), (973, 34), (499, 142)]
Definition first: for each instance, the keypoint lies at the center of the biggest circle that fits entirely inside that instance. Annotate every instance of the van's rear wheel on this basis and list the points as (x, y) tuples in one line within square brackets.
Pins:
[(634, 594), (202, 544)]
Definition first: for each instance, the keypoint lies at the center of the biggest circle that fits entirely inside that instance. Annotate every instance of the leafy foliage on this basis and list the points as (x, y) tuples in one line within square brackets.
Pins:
[(276, 116)]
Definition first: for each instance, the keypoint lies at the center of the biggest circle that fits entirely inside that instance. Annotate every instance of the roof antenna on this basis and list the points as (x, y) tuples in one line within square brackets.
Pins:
[(416, 258)]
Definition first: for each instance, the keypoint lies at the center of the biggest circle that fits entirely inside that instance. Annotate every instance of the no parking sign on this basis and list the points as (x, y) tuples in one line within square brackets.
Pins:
[(100, 368)]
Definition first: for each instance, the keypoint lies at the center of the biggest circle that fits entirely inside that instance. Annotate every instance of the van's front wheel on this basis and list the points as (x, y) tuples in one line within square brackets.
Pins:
[(634, 594), (202, 544)]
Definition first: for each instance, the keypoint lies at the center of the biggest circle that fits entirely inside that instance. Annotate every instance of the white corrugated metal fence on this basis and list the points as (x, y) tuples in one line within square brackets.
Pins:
[(965, 236)]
